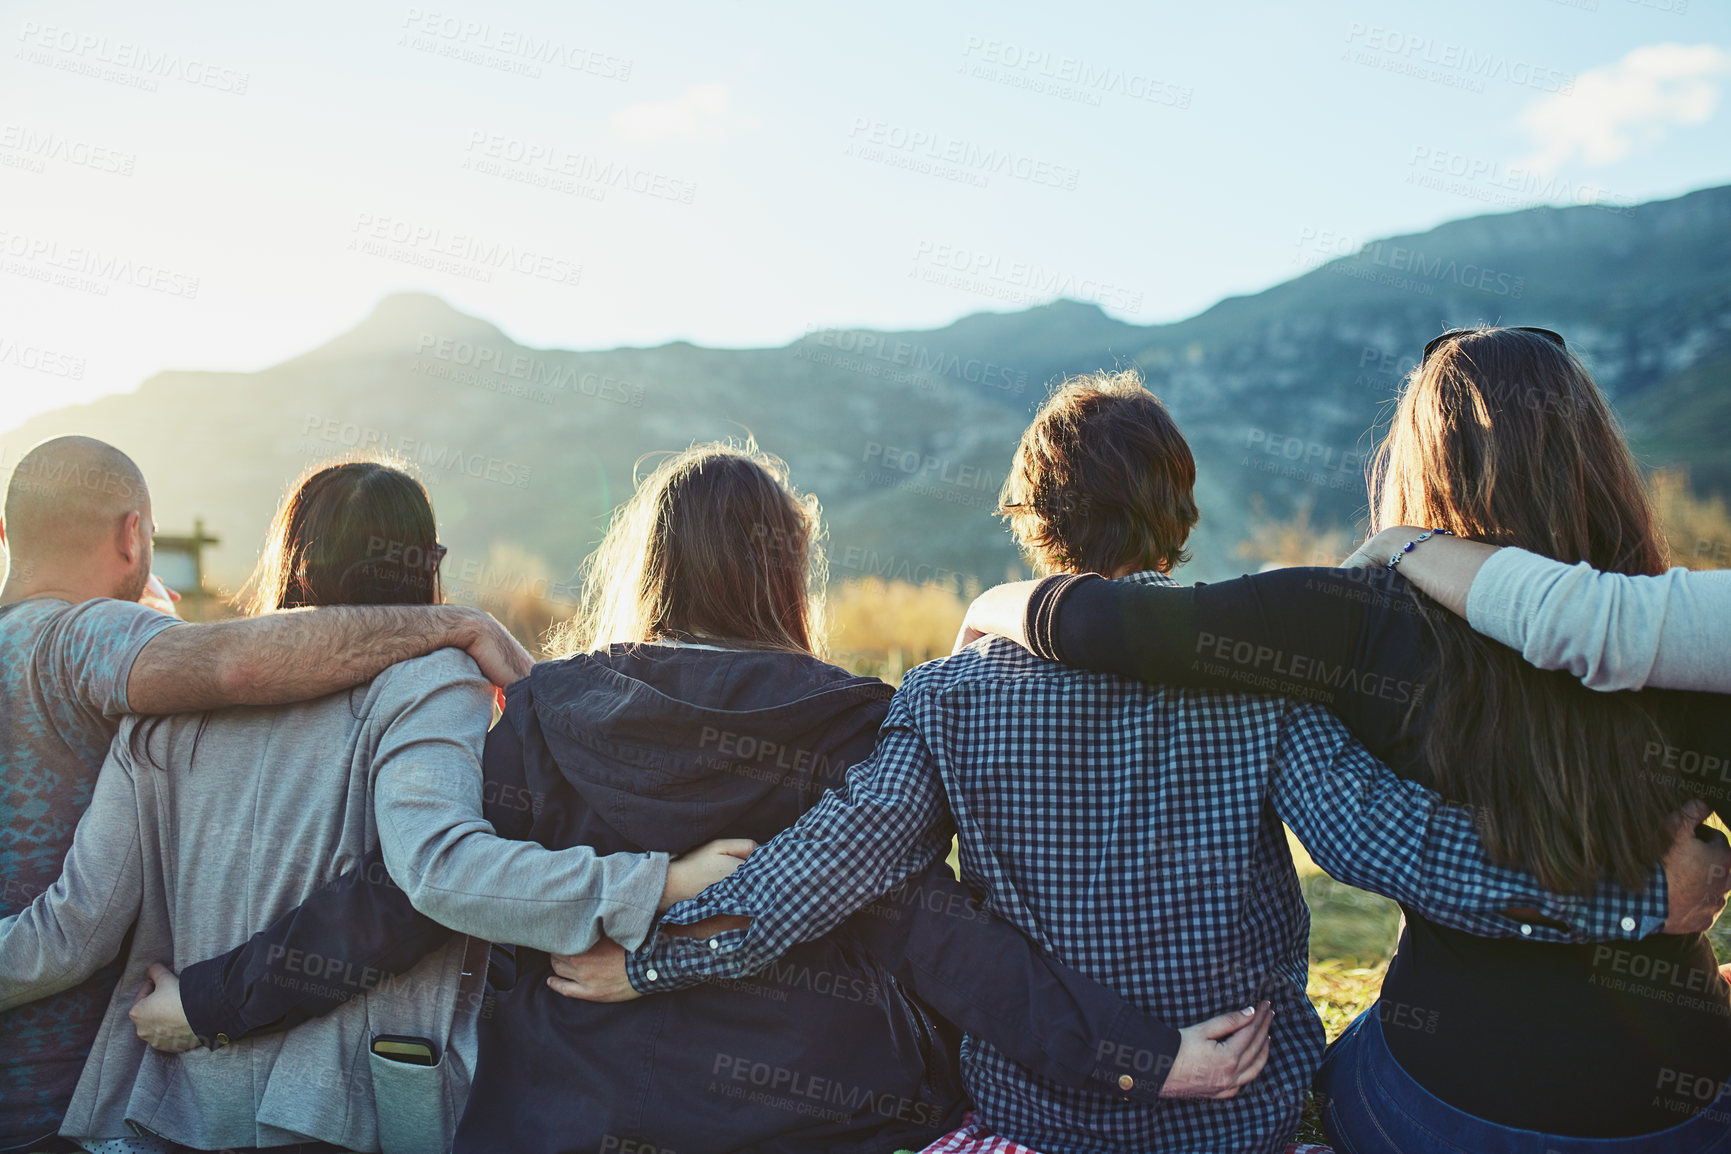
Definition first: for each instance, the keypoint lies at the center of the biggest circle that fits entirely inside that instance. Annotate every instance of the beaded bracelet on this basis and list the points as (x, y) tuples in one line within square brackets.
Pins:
[(1408, 547)]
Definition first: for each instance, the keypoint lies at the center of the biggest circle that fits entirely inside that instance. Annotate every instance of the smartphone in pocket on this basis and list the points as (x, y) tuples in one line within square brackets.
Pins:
[(407, 1050)]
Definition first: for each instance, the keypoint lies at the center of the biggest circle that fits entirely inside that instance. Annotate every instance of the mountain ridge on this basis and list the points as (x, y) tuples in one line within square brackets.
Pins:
[(526, 449)]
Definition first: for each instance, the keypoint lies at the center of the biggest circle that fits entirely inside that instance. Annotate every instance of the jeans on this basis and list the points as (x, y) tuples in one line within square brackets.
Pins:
[(1372, 1106)]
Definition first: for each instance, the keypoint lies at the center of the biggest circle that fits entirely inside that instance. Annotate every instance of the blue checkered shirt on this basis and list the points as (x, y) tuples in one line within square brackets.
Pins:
[(1135, 833)]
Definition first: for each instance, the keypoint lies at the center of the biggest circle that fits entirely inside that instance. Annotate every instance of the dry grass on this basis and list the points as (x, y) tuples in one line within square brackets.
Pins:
[(884, 628), (1697, 529), (1352, 935), (1277, 544)]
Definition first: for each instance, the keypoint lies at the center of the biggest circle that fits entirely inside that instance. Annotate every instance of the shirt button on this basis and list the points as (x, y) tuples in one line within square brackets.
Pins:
[(1526, 930), (713, 944), (1628, 925), (222, 1039), (1126, 1082), (651, 975)]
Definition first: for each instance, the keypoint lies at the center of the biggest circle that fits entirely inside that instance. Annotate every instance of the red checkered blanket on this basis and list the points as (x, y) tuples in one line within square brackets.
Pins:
[(973, 1139)]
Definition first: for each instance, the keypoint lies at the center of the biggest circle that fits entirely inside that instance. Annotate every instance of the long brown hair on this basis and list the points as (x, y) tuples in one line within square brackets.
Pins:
[(1502, 436), (350, 533), (715, 544)]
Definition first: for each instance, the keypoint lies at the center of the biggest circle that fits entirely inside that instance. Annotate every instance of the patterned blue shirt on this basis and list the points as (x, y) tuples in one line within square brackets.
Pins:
[(1135, 833), (63, 674)]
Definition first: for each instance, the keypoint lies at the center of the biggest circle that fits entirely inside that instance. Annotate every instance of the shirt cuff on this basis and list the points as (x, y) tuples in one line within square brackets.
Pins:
[(1136, 1055), (665, 962), (1041, 623), (212, 1017), (1611, 913), (1656, 907), (639, 965), (634, 899), (677, 963)]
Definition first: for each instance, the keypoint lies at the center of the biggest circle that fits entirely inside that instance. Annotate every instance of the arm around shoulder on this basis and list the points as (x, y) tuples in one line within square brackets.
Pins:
[(1613, 631), (1372, 829), (449, 859), (300, 654)]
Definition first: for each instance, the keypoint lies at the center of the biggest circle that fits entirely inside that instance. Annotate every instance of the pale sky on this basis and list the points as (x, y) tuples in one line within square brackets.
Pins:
[(223, 186)]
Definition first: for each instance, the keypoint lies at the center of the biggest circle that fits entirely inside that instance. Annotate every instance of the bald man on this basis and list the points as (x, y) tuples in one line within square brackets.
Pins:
[(77, 652)]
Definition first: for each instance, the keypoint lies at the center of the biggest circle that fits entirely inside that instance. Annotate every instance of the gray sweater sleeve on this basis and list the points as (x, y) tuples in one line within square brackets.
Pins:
[(1612, 631), (74, 927), (427, 789)]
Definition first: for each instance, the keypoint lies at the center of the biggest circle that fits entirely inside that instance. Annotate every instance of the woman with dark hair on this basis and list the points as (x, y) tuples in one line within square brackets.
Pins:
[(205, 828), (1477, 1044)]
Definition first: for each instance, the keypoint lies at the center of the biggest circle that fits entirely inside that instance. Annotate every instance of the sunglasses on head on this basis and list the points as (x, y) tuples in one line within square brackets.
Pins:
[(1453, 333)]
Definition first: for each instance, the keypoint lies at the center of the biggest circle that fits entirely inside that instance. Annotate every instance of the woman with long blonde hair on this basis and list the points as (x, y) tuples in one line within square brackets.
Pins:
[(1483, 1044)]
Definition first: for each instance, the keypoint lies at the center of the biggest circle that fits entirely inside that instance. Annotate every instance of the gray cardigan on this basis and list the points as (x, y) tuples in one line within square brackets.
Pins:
[(207, 829), (1610, 630)]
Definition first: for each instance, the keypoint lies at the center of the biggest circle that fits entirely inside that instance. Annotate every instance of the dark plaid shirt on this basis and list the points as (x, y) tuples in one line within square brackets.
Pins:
[(1135, 833)]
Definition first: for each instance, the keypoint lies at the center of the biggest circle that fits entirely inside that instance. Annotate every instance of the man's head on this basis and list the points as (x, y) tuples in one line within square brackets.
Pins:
[(77, 522), (1102, 481)]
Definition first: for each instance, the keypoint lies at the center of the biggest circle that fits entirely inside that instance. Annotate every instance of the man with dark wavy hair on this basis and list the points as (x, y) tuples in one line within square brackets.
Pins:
[(1103, 481)]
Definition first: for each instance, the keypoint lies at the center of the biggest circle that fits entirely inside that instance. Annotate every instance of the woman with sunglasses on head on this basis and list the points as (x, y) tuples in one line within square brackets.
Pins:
[(204, 829), (1489, 1046)]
